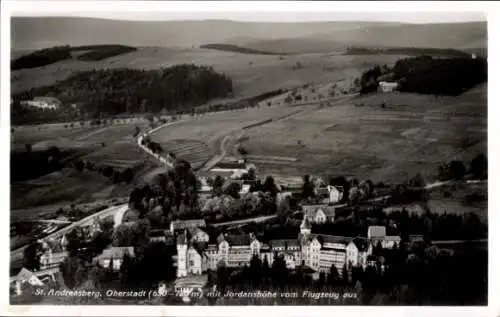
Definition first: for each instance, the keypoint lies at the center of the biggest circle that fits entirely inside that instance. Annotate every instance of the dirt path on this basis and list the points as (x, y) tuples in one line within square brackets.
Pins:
[(225, 145), (92, 133)]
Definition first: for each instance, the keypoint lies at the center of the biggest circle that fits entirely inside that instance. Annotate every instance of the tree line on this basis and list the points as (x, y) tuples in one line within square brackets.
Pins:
[(41, 57), (55, 54), (115, 175), (456, 170)]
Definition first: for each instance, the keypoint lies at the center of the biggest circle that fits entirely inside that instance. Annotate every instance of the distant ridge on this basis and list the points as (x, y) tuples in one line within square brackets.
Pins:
[(30, 33)]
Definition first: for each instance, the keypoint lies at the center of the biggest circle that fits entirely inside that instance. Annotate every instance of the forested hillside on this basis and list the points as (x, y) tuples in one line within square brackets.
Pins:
[(427, 75), (115, 91)]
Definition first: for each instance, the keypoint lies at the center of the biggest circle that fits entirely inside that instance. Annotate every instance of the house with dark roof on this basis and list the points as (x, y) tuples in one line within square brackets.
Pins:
[(38, 278), (319, 214)]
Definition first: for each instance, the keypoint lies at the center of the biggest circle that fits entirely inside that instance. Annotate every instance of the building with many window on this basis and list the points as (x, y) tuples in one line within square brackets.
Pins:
[(319, 252)]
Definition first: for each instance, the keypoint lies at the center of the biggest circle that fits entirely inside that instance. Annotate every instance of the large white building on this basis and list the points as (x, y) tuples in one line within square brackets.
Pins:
[(316, 251)]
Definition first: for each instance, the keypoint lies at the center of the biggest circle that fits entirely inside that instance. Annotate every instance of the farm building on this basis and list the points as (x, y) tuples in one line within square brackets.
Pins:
[(43, 103), (52, 259), (329, 194), (386, 86), (236, 167), (37, 278), (157, 236), (187, 224), (319, 213), (376, 232)]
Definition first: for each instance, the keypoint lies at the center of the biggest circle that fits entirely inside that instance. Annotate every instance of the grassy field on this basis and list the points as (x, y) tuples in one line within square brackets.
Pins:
[(411, 134), (200, 137), (112, 145), (252, 74)]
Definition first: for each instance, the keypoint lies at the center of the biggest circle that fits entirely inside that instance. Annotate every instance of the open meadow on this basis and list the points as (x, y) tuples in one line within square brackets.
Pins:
[(111, 145), (411, 134), (200, 137), (252, 74)]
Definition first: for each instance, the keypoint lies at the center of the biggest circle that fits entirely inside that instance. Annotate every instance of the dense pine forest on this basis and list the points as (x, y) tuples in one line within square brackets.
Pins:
[(428, 75), (116, 91), (55, 54)]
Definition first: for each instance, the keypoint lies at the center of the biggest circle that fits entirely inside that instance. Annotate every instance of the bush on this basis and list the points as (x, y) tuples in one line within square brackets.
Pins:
[(79, 165)]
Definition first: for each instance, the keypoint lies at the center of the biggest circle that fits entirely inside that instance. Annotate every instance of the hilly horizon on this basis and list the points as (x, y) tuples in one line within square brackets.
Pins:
[(31, 33)]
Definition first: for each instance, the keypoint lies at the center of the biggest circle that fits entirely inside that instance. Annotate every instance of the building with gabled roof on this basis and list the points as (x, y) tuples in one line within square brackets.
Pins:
[(375, 232), (318, 214), (187, 224), (113, 255), (36, 278)]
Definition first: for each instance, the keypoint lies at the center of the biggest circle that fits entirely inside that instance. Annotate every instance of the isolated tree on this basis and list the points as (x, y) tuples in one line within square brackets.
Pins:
[(279, 271), (456, 169), (479, 166), (270, 186), (333, 275), (233, 190), (242, 151), (345, 275), (217, 186), (31, 260), (308, 187)]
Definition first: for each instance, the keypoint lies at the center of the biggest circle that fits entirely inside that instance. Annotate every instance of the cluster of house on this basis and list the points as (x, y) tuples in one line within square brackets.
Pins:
[(316, 252), (53, 252)]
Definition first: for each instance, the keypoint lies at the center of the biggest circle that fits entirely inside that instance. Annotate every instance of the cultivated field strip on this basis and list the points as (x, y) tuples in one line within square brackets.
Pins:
[(373, 142), (199, 138)]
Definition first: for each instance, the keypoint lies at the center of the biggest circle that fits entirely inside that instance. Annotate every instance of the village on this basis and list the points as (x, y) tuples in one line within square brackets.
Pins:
[(201, 247)]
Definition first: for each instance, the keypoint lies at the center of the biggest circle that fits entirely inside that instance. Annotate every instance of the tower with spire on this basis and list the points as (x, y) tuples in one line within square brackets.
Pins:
[(182, 250), (305, 227)]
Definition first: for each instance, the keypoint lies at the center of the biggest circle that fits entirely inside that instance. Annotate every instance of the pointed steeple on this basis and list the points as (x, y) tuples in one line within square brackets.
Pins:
[(305, 226)]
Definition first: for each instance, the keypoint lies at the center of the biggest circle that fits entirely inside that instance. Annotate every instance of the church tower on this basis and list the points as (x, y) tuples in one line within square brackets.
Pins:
[(182, 248), (305, 227)]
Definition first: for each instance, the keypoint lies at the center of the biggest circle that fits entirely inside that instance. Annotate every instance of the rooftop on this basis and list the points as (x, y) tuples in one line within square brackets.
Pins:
[(115, 253), (286, 243), (236, 239), (324, 238), (311, 210)]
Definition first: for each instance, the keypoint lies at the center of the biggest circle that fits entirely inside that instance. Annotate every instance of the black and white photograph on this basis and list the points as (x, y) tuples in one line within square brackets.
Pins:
[(266, 158)]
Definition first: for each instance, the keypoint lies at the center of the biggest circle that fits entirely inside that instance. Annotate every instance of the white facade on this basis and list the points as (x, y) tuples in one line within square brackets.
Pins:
[(386, 86), (319, 252), (41, 104), (194, 263), (182, 268), (335, 194), (200, 236)]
